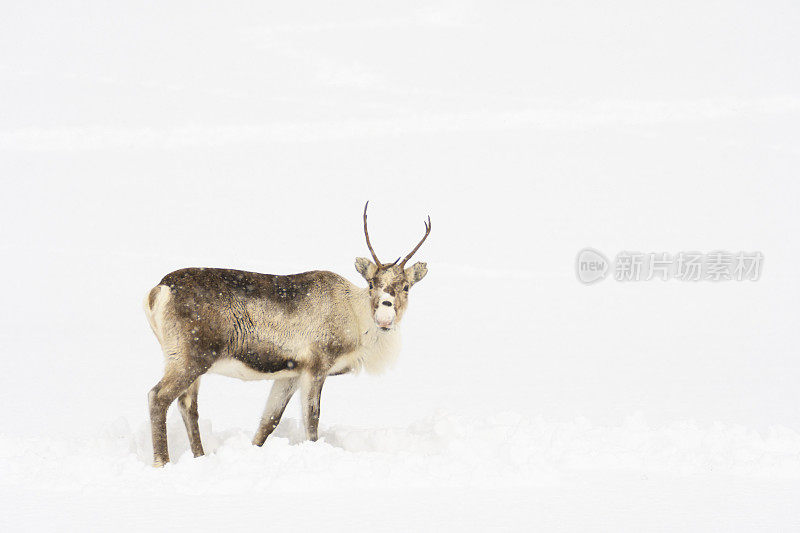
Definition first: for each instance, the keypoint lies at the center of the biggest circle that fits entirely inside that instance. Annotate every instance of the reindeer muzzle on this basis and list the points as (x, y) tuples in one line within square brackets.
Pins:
[(384, 316)]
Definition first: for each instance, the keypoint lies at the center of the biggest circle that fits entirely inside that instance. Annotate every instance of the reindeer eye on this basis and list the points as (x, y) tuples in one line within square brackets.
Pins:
[(405, 288)]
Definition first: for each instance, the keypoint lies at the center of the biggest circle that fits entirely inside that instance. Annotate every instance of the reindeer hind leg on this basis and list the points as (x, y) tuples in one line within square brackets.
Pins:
[(176, 380), (187, 403)]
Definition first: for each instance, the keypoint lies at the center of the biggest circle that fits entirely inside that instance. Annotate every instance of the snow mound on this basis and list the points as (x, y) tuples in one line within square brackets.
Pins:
[(444, 450)]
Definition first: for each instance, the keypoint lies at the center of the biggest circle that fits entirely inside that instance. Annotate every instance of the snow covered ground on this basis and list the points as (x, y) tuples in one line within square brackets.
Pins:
[(137, 139), (442, 471)]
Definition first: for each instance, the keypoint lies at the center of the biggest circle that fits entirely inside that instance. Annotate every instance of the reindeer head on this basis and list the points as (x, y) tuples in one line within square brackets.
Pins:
[(389, 283)]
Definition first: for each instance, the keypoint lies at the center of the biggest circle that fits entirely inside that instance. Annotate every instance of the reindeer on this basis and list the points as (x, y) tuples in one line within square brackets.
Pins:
[(296, 330)]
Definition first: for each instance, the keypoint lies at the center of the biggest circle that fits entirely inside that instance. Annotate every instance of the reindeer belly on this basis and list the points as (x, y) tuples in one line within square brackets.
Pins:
[(234, 368), (261, 361)]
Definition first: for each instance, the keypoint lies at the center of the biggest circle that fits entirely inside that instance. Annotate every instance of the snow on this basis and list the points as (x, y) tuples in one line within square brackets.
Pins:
[(444, 458), (139, 139)]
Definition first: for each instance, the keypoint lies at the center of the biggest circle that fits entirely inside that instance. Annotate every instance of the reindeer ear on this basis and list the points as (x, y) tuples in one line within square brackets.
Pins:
[(416, 272), (366, 267)]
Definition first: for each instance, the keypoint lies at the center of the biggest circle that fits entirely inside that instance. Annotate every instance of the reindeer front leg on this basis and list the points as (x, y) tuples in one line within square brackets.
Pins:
[(279, 396), (311, 390)]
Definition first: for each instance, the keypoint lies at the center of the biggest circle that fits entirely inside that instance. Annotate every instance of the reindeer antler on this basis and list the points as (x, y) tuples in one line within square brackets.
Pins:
[(369, 244), (427, 232), (389, 265)]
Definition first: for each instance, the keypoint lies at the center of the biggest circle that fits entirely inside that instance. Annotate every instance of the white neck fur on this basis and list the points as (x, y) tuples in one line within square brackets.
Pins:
[(378, 349)]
